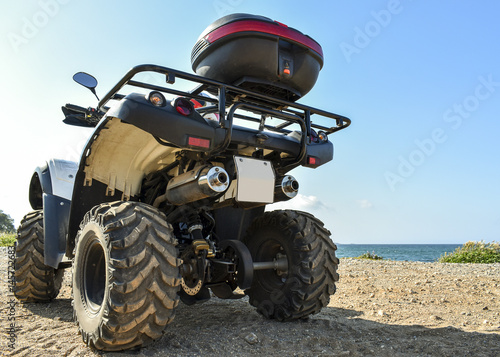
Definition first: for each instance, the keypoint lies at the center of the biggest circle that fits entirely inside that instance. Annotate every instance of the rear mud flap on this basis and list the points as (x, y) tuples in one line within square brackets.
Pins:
[(55, 225)]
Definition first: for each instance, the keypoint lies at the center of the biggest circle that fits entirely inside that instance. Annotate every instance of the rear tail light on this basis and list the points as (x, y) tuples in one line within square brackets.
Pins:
[(157, 99), (183, 106)]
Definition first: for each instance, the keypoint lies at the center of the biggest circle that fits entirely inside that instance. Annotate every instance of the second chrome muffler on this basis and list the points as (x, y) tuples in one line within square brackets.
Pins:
[(197, 184), (286, 188)]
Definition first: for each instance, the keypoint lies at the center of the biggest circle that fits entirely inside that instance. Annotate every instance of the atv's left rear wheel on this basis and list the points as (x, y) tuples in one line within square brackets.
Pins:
[(305, 285), (126, 276)]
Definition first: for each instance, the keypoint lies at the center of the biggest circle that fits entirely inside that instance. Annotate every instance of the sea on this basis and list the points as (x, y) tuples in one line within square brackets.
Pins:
[(404, 252)]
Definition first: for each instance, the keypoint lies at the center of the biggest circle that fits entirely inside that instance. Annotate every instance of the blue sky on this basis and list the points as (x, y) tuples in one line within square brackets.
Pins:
[(419, 79)]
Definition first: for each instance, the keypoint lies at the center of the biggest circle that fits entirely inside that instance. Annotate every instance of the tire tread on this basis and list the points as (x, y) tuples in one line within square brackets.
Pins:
[(316, 270), (35, 281), (145, 275)]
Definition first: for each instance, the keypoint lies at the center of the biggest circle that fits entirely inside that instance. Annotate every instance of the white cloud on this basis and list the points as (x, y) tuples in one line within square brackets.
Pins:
[(365, 204), (300, 203)]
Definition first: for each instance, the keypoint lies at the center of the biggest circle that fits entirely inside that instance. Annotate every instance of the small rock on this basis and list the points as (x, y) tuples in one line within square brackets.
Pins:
[(175, 344), (485, 322), (57, 318), (372, 295), (485, 308), (435, 318), (252, 338), (381, 313), (413, 300)]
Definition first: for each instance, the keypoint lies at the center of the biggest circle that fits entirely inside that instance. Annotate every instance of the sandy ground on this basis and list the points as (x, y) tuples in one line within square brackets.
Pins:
[(380, 309)]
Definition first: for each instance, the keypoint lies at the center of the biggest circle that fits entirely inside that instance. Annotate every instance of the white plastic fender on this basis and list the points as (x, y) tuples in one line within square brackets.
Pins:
[(62, 176)]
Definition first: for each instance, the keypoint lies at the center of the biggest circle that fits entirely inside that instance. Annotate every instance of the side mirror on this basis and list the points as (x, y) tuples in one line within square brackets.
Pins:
[(87, 81)]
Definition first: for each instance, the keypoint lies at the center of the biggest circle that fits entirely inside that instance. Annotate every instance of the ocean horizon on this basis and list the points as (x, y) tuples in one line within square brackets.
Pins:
[(403, 252)]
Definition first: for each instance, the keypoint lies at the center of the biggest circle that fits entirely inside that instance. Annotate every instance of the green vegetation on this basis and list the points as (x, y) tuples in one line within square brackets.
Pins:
[(6, 223), (7, 239), (371, 256), (474, 252)]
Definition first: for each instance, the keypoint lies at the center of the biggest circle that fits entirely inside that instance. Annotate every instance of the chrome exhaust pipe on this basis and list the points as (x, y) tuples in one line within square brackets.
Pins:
[(200, 183), (288, 186)]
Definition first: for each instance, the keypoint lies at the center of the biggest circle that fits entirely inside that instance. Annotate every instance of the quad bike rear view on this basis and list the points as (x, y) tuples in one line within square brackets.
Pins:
[(168, 200)]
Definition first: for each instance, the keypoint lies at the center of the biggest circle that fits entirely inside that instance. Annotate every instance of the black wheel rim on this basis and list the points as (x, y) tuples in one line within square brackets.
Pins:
[(270, 279), (94, 276)]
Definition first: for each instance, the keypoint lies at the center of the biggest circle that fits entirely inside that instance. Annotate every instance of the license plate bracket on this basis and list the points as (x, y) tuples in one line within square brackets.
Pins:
[(255, 180)]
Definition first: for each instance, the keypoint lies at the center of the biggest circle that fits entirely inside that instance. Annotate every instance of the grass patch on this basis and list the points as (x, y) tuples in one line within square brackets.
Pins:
[(370, 256), (7, 239), (474, 252)]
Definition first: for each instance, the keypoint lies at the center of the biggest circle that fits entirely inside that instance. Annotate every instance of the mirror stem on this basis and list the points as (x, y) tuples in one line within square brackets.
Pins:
[(93, 91)]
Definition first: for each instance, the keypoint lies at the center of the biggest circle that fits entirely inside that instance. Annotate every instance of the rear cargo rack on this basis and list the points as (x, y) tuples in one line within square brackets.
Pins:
[(228, 98)]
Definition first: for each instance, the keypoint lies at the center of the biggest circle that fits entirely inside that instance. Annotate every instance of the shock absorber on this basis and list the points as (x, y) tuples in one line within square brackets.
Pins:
[(195, 229), (195, 226)]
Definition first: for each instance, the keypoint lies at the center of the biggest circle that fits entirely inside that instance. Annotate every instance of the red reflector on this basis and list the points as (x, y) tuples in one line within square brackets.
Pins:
[(286, 71), (264, 27), (311, 160), (198, 142)]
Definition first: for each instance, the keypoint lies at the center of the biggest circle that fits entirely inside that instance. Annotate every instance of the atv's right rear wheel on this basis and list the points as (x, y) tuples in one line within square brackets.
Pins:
[(126, 276), (305, 286)]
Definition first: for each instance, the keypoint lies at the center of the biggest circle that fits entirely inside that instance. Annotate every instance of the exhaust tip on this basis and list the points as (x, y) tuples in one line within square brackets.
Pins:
[(290, 186), (218, 179)]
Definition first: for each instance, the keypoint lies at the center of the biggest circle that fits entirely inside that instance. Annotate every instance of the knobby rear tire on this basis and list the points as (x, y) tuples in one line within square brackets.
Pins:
[(126, 276), (305, 288)]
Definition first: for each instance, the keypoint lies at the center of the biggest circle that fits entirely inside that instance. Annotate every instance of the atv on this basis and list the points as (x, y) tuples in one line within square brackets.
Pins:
[(167, 202)]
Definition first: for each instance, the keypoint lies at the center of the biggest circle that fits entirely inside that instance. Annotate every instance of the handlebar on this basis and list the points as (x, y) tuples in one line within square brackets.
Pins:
[(80, 116), (76, 108)]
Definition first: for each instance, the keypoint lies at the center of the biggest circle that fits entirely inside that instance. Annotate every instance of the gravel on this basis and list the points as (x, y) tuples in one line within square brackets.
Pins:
[(381, 308)]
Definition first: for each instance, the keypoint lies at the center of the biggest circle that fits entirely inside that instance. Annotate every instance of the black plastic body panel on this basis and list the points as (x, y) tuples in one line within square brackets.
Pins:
[(323, 152), (167, 124), (55, 222)]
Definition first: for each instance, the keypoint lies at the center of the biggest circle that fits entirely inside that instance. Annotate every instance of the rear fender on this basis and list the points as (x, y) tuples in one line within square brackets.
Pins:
[(125, 147)]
